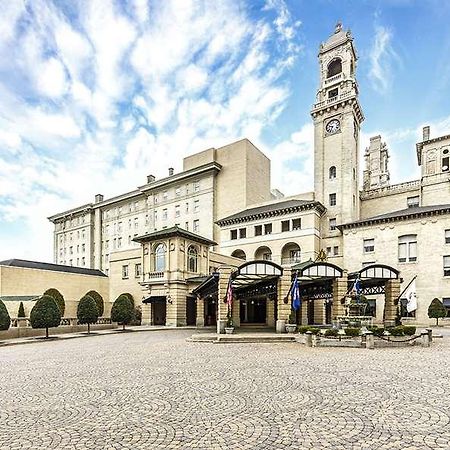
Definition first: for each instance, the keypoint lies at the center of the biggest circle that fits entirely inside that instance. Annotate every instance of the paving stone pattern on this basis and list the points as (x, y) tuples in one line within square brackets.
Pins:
[(153, 390)]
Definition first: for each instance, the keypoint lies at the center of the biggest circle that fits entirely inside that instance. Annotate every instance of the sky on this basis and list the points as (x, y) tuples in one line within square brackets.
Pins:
[(97, 94)]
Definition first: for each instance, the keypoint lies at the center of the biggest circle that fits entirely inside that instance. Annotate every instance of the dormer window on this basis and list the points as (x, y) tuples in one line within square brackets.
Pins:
[(334, 68)]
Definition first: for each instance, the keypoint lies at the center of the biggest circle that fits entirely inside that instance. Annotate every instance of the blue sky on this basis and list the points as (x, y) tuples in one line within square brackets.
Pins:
[(96, 94)]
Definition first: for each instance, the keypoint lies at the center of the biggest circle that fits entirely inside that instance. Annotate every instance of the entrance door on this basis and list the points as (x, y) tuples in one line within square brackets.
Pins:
[(328, 311), (310, 312), (191, 311), (159, 313), (210, 312), (253, 311)]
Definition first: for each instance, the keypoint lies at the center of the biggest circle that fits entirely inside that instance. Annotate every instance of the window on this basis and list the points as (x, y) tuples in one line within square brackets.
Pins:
[(328, 251), (333, 93), (334, 68), (407, 248), (412, 201), (164, 214), (446, 303), (192, 259), (155, 198), (137, 270), (332, 199), (160, 258), (71, 250), (196, 206), (285, 225), (296, 224), (136, 222), (267, 256), (368, 263), (196, 186), (196, 226), (119, 227), (295, 256), (447, 236), (177, 210), (369, 245), (446, 266), (233, 234), (445, 164), (258, 230), (332, 172), (78, 248), (332, 224), (186, 226), (242, 233), (119, 242), (125, 271), (147, 220), (156, 217), (268, 228), (354, 173), (83, 261), (165, 195), (187, 208), (178, 191), (336, 250)]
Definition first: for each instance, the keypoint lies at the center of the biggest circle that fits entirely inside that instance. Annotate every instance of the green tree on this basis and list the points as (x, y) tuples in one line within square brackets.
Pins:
[(59, 299), (21, 312), (45, 314), (87, 311), (98, 300), (122, 310), (5, 320), (436, 310)]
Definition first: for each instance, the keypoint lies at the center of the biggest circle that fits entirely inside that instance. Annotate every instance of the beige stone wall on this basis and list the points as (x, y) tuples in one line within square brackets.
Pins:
[(431, 248), (199, 159), (25, 281)]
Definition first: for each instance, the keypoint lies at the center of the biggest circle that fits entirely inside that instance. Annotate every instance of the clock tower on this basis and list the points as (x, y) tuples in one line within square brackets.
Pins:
[(337, 118)]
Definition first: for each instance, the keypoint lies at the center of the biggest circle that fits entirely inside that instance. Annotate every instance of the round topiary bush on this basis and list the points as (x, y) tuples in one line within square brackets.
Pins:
[(5, 320), (98, 300), (437, 310), (59, 299), (45, 314), (87, 311), (21, 312), (122, 310)]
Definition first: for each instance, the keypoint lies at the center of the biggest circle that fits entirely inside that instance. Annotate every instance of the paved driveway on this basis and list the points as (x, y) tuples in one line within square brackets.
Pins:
[(152, 390)]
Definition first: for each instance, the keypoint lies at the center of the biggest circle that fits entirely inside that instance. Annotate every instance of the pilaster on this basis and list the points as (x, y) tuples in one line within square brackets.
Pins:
[(392, 292), (340, 288)]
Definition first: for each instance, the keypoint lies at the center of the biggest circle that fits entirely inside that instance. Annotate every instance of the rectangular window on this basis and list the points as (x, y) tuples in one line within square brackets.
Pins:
[(83, 261), (336, 250), (136, 222), (369, 245), (447, 236), (258, 230), (268, 228), (83, 234), (178, 191), (332, 224), (332, 199), (165, 195), (196, 206), (285, 225), (242, 233), (407, 248), (186, 226), (71, 250), (125, 272), (446, 266), (233, 234), (333, 93), (412, 202), (328, 251), (187, 208), (196, 186), (177, 210), (267, 256), (147, 221), (119, 242), (445, 164), (137, 270), (296, 224), (196, 226), (164, 214), (446, 303)]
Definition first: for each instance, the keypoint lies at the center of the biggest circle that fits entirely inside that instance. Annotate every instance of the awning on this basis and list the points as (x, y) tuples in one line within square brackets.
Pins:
[(254, 272), (155, 299)]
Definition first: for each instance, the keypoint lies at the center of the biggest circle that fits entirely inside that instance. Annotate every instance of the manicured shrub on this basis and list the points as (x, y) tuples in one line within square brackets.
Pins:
[(5, 320), (332, 332), (436, 310), (45, 314), (122, 310), (87, 311), (377, 331), (352, 331), (302, 329), (98, 300), (130, 297), (396, 331), (59, 299), (409, 330), (21, 312), (314, 330), (137, 316)]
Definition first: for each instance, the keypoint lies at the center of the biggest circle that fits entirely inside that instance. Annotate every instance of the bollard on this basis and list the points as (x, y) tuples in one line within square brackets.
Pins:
[(308, 339), (316, 340), (425, 339), (370, 342), (430, 335)]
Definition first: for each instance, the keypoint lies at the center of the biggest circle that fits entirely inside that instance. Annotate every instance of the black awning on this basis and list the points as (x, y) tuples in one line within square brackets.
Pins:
[(155, 299)]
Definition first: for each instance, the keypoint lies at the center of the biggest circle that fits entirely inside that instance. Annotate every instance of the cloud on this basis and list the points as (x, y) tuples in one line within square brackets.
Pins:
[(382, 56)]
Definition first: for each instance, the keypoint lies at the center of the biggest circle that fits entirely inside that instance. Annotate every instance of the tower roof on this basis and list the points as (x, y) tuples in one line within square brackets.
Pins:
[(339, 37)]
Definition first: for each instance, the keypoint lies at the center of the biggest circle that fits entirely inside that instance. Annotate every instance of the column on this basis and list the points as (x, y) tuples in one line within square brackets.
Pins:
[(270, 312), (284, 309), (222, 307), (340, 288), (391, 294), (319, 311), (200, 321)]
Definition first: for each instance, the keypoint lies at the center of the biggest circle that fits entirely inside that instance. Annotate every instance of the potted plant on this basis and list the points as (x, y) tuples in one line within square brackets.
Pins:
[(229, 329), (291, 327)]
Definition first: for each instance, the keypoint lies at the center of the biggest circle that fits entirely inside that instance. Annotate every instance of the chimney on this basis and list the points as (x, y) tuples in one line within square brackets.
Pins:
[(98, 198), (170, 171), (426, 133), (150, 178)]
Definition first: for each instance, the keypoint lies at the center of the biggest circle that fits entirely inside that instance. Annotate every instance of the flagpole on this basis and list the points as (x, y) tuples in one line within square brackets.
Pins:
[(406, 288)]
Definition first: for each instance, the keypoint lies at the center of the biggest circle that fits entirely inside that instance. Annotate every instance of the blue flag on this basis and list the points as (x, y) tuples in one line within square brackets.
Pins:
[(356, 289), (296, 302)]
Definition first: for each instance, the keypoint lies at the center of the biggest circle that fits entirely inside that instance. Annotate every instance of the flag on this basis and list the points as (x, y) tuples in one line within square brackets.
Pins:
[(229, 296), (296, 302), (410, 295), (356, 288)]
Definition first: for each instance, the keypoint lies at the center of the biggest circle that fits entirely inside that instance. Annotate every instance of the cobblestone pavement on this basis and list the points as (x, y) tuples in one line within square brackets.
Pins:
[(155, 391)]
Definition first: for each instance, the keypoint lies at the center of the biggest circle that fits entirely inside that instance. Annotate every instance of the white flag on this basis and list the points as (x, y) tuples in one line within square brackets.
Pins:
[(410, 295)]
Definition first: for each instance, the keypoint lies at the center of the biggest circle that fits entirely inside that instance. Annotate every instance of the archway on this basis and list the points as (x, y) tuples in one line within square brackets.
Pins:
[(334, 68), (263, 253), (238, 253), (290, 254)]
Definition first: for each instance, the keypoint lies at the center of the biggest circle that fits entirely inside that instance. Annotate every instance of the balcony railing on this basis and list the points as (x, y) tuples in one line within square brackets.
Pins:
[(153, 276)]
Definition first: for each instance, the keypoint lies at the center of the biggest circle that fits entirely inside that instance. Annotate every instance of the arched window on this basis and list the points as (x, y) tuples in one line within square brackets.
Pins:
[(160, 258), (192, 259), (334, 67), (239, 254), (332, 172)]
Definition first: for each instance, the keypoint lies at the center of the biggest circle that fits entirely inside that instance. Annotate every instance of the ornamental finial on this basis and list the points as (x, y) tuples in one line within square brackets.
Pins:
[(338, 27)]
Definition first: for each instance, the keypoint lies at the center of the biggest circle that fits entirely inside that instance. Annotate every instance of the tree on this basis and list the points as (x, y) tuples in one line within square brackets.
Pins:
[(98, 300), (59, 299), (5, 320), (122, 310), (87, 311), (45, 314), (21, 312), (436, 310)]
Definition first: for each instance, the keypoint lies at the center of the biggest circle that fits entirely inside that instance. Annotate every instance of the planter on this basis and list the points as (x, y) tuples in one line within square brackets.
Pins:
[(291, 327), (229, 330)]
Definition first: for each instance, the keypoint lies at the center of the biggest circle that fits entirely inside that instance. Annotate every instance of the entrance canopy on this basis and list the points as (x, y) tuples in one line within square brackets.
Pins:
[(154, 299), (373, 278)]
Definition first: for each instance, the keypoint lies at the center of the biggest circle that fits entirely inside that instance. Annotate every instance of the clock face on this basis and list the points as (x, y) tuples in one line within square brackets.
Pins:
[(333, 126)]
